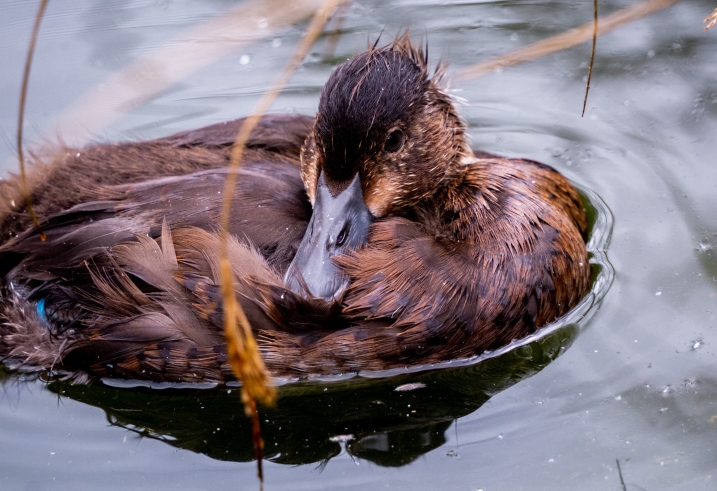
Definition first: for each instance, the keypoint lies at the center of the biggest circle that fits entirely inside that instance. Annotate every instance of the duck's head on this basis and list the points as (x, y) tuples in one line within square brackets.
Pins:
[(386, 139)]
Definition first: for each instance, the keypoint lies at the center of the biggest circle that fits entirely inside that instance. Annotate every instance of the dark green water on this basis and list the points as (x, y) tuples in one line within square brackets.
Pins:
[(630, 379)]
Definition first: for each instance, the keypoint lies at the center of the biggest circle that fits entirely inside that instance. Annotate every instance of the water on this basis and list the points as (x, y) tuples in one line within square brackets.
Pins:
[(633, 381)]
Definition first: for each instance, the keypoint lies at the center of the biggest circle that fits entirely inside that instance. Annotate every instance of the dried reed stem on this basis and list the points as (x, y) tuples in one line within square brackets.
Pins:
[(712, 19), (21, 115), (175, 60), (242, 350), (592, 55), (566, 40)]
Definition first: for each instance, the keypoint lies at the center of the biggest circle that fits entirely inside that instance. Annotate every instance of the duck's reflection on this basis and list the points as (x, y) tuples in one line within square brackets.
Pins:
[(389, 421)]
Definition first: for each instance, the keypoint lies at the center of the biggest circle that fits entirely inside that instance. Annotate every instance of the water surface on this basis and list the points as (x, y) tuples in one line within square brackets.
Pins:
[(634, 381)]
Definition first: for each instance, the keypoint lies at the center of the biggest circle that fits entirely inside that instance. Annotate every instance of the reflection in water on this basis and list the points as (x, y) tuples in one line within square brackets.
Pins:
[(311, 422)]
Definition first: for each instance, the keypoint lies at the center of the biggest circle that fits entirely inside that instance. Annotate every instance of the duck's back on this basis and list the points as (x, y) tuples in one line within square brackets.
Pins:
[(71, 176)]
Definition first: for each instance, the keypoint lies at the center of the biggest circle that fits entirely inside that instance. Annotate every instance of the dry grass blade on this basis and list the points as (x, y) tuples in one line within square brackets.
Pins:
[(173, 62), (21, 114), (565, 40), (250, 368), (712, 19), (592, 54), (242, 350)]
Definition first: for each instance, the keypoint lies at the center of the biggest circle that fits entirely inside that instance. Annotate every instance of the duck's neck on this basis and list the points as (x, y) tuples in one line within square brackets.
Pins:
[(463, 201)]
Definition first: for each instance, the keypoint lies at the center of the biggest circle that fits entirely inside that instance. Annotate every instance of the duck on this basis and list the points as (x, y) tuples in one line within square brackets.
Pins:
[(367, 238)]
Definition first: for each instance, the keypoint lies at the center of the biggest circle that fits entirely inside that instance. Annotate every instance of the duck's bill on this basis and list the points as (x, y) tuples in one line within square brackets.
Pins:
[(338, 223)]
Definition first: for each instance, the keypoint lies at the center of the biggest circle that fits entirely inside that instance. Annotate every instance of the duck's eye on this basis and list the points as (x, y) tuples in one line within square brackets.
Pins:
[(343, 235), (394, 141)]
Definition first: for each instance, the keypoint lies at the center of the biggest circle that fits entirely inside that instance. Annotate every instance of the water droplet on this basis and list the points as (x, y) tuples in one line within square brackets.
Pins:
[(704, 246), (244, 60)]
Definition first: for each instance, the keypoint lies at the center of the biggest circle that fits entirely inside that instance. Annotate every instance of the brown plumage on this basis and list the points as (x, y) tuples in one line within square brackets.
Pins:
[(462, 252)]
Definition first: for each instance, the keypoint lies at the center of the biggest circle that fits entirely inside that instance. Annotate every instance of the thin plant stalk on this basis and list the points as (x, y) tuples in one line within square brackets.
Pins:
[(565, 40), (242, 349), (592, 55), (711, 20), (21, 115)]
